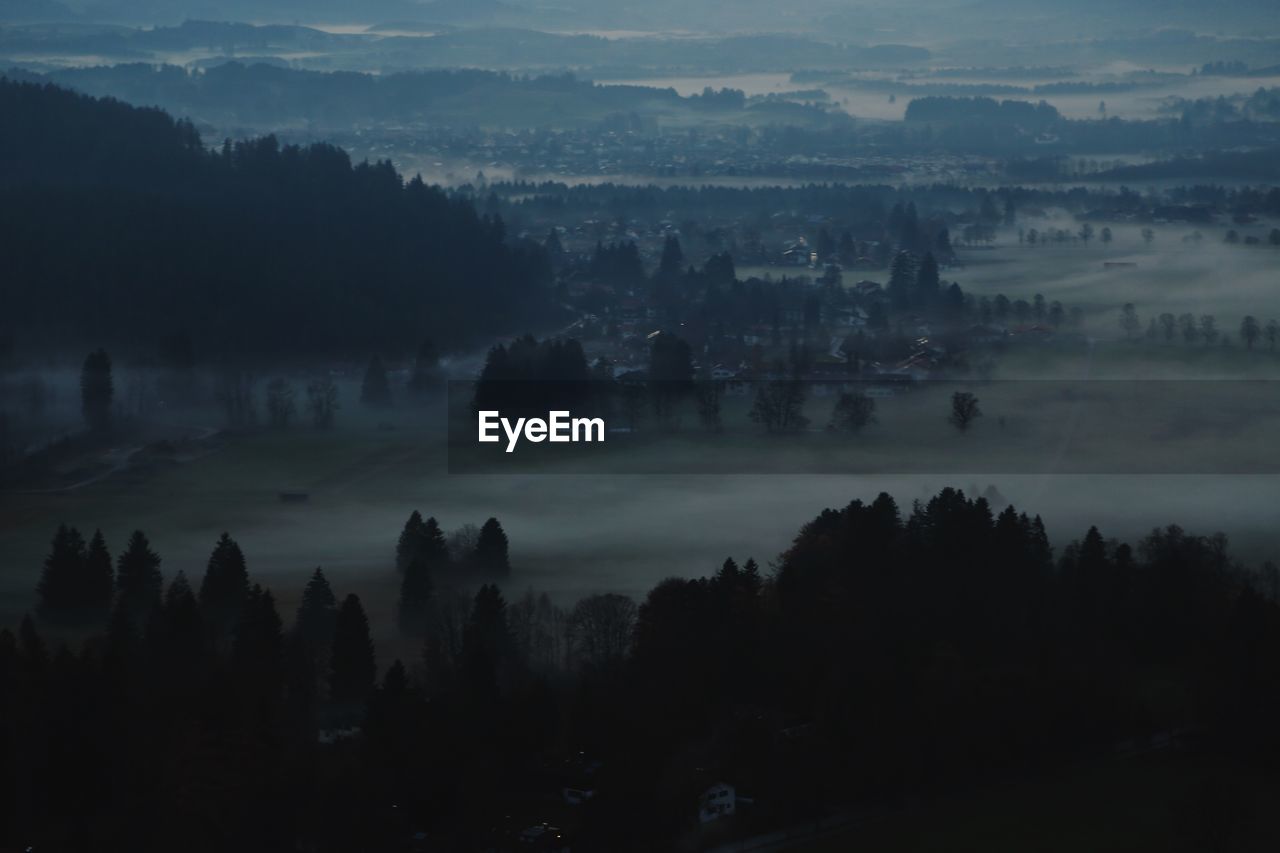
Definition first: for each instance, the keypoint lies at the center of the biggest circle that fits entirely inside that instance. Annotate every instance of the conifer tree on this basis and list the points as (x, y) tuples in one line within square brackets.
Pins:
[(672, 261), (138, 580), (179, 632), (257, 653), (421, 539), (902, 276), (352, 667), (415, 595), (62, 587), (486, 641), (99, 576), (407, 547), (317, 614), (224, 588), (491, 555)]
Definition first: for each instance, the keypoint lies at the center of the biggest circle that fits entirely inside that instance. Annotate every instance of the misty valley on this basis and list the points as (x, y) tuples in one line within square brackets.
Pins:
[(505, 426)]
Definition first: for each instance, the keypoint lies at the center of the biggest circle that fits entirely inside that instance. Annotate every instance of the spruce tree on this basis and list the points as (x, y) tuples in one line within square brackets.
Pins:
[(902, 275), (421, 539), (257, 653), (672, 261), (352, 667), (408, 545), (415, 595), (224, 588), (491, 549), (62, 587), (486, 642), (183, 627), (317, 614), (99, 576), (138, 580)]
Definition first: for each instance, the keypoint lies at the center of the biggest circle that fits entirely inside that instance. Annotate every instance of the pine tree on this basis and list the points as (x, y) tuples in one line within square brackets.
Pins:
[(486, 642), (672, 261), (62, 588), (97, 390), (902, 276), (415, 595), (317, 614), (491, 549), (177, 636), (421, 539), (407, 546), (138, 580), (375, 390), (99, 576), (224, 588), (257, 653), (352, 667)]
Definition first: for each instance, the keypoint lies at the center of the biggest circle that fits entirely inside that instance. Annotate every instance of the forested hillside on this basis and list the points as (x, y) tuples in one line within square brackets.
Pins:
[(255, 247)]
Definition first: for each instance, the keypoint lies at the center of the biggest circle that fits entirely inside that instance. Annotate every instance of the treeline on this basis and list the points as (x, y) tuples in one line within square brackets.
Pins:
[(979, 109), (461, 97), (889, 654), (866, 208), (121, 227)]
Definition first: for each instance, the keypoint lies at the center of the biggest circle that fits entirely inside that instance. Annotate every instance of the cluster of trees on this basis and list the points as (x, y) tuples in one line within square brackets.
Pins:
[(955, 648), (424, 556), (253, 248), (983, 110), (1191, 329)]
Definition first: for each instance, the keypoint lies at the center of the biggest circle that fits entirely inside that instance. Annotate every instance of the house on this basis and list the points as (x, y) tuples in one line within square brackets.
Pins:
[(720, 800)]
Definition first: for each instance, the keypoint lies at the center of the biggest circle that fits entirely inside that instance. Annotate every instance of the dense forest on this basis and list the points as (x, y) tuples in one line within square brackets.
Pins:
[(252, 248), (444, 97), (888, 654)]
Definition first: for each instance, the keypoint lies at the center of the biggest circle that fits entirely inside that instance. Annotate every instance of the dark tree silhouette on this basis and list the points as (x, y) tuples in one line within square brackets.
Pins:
[(223, 588), (138, 580), (64, 588), (964, 410), (1250, 331), (491, 554), (100, 577), (317, 614), (257, 652), (352, 667), (853, 411), (486, 643), (415, 596), (422, 539)]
